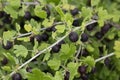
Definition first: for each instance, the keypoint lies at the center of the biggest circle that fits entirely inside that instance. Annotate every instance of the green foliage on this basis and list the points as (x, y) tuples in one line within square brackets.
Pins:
[(90, 61), (67, 51), (72, 67), (28, 27), (54, 63), (20, 50), (11, 11), (8, 35), (37, 74), (95, 3), (35, 27), (117, 49), (103, 15), (39, 12), (60, 28)]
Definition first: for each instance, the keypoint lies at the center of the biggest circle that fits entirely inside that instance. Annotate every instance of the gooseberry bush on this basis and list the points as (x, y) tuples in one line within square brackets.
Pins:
[(59, 40)]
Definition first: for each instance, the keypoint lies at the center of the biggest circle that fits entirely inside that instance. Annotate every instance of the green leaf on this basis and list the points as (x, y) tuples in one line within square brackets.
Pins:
[(58, 76), (60, 28), (67, 51), (59, 10), (35, 44), (68, 19), (14, 3), (21, 12), (72, 67), (39, 12), (47, 22), (38, 75), (20, 50), (117, 54), (117, 46), (111, 36), (6, 68), (28, 27), (54, 34), (43, 46), (117, 49), (95, 2), (86, 12), (9, 10), (65, 48), (90, 61), (53, 1), (54, 63), (46, 57), (18, 27), (89, 48), (35, 24), (25, 39), (103, 16), (8, 35)]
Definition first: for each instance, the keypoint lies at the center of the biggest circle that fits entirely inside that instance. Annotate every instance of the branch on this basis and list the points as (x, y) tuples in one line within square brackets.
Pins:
[(29, 33), (24, 3), (30, 3), (109, 55), (47, 48)]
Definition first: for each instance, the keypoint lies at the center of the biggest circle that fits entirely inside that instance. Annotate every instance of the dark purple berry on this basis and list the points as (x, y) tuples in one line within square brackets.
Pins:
[(27, 15), (73, 37), (82, 69), (76, 22), (55, 49), (1, 14), (8, 45), (75, 11), (107, 62), (67, 75), (53, 28), (98, 35), (84, 77), (84, 37), (7, 20), (16, 76), (91, 26), (4, 61), (49, 29), (38, 38), (29, 69), (105, 28), (93, 70), (32, 39), (45, 37)]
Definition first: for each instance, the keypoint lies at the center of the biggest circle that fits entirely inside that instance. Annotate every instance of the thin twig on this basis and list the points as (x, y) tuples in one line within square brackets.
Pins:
[(22, 35), (29, 33), (24, 3), (47, 49), (78, 52), (30, 3), (109, 55)]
